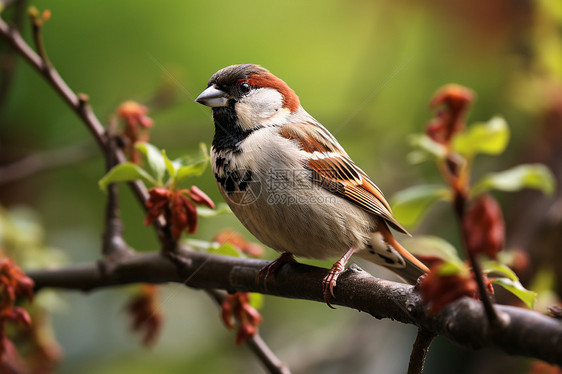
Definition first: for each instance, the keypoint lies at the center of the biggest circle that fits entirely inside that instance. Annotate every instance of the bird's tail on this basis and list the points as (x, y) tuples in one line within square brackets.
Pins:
[(386, 251), (411, 272), (414, 268)]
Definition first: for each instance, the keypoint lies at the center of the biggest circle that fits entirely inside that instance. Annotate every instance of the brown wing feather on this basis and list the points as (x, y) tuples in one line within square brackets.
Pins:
[(335, 171)]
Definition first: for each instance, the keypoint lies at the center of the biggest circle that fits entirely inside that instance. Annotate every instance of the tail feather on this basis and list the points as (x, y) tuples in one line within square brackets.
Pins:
[(386, 251), (411, 272), (414, 268)]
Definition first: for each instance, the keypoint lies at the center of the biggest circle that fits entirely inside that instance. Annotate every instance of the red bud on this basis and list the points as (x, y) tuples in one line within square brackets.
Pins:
[(439, 290), (145, 313), (137, 124), (200, 197), (236, 307), (455, 100), (484, 227)]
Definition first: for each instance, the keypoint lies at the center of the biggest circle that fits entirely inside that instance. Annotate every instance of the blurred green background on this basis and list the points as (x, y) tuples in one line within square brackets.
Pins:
[(365, 69)]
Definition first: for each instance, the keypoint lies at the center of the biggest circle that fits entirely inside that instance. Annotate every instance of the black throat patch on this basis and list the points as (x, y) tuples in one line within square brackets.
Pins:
[(228, 133)]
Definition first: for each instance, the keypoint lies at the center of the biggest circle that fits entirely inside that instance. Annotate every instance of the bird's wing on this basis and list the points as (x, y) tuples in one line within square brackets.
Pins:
[(336, 172)]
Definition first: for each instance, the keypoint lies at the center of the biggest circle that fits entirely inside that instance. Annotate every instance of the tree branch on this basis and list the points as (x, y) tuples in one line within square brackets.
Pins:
[(464, 321), (419, 351)]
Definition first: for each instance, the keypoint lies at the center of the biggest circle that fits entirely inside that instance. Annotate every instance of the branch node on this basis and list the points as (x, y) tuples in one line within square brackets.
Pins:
[(180, 260), (83, 100), (356, 268), (113, 261)]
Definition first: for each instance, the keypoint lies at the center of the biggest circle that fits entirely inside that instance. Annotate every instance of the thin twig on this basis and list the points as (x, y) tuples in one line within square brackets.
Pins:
[(272, 363), (44, 161), (460, 211), (455, 171), (493, 319), (419, 351), (37, 24), (113, 242)]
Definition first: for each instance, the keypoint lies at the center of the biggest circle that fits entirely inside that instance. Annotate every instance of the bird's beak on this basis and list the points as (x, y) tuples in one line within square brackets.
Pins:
[(213, 97)]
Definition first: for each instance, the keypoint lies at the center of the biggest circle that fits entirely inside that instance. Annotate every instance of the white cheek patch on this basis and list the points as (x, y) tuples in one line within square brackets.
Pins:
[(261, 107)]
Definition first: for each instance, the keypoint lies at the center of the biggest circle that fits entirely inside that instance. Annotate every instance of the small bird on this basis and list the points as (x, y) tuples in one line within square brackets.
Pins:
[(290, 182)]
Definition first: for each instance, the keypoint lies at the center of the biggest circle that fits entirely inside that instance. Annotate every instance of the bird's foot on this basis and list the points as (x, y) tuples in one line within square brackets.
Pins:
[(273, 266), (330, 280)]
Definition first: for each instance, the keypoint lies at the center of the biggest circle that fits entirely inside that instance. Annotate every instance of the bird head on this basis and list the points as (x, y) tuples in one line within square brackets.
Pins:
[(248, 96)]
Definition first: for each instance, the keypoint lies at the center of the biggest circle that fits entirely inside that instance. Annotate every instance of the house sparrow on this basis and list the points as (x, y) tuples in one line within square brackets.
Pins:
[(290, 182)]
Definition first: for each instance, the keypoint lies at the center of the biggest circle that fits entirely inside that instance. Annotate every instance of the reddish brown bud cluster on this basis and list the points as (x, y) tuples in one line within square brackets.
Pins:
[(237, 240), (237, 307), (450, 120), (439, 290), (177, 206), (13, 284), (134, 115), (145, 313), (484, 227), (137, 124)]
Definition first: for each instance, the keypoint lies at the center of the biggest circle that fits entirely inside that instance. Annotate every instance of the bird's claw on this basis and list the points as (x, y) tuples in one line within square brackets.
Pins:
[(330, 280), (328, 284), (273, 266)]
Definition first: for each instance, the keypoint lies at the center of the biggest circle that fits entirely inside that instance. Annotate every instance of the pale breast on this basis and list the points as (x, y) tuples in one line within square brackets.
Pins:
[(272, 194)]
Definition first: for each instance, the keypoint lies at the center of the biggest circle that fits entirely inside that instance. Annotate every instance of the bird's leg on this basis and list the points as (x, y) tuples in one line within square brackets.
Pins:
[(274, 265), (329, 281)]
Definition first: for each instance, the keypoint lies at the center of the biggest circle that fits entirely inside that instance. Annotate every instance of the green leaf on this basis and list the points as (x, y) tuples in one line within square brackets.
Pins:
[(192, 167), (451, 268), (225, 249), (515, 287), (425, 146), (221, 208), (193, 170), (198, 244), (497, 267), (256, 300), (126, 171), (155, 159), (170, 166), (536, 176), (433, 246), (489, 137), (409, 205)]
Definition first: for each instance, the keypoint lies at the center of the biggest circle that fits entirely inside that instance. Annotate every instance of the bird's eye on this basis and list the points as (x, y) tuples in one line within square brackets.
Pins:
[(245, 88)]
